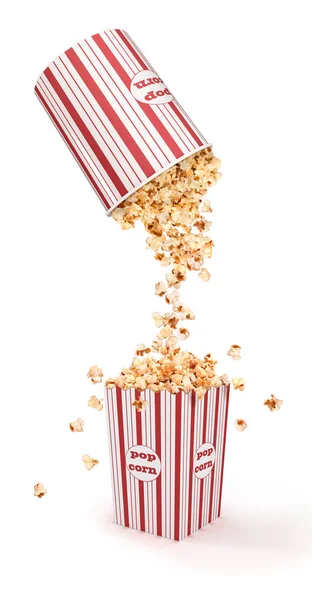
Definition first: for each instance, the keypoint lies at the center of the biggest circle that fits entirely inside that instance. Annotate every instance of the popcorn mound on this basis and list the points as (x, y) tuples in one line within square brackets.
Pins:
[(170, 208)]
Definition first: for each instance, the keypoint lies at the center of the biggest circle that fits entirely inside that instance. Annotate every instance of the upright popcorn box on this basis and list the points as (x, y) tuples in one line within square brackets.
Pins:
[(167, 460), (116, 115)]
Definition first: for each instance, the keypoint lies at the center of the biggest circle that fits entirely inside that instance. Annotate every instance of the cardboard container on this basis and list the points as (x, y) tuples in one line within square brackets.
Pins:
[(117, 116), (167, 460)]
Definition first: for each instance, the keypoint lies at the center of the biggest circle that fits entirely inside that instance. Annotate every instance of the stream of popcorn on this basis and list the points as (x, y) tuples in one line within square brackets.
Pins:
[(171, 208)]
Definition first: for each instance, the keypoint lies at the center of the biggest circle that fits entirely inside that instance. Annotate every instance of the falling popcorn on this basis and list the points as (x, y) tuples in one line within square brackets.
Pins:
[(238, 384), (206, 206), (204, 275), (240, 425), (183, 333), (170, 207), (273, 403), (234, 352), (94, 402), (89, 462), (161, 288), (140, 404), (141, 350), (76, 425), (95, 374), (39, 490)]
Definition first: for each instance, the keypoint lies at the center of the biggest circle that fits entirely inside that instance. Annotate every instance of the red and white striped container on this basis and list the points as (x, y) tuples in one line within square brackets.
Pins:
[(167, 460), (116, 115)]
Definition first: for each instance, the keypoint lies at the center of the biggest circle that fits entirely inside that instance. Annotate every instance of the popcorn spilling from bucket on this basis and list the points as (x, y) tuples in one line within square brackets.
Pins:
[(148, 163), (169, 207)]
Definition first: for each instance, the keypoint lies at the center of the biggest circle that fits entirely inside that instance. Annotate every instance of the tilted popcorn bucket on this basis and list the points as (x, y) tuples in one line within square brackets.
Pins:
[(167, 460), (116, 115)]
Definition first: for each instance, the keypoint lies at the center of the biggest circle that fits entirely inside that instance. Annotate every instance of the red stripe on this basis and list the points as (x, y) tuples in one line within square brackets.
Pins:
[(143, 130), (193, 406), (112, 459), (157, 407), (112, 38), (144, 65), (122, 457), (186, 124), (87, 117), (224, 446), (164, 111), (64, 116), (215, 448), (86, 133), (109, 111), (204, 433), (73, 150), (131, 49), (145, 107), (139, 442), (98, 117), (177, 475)]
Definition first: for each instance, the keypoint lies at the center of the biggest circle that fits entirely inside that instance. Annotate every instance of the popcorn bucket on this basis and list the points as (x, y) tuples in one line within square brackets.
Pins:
[(117, 116), (167, 460)]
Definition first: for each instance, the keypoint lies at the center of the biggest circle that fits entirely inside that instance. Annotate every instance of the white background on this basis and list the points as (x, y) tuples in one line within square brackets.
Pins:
[(78, 291)]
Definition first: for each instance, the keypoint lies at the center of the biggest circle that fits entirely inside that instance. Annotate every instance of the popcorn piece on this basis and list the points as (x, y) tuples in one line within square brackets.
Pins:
[(140, 404), (89, 462), (204, 275), (158, 319), (161, 288), (206, 206), (273, 403), (240, 425), (140, 383), (141, 350), (238, 383), (95, 374), (183, 333), (94, 402), (172, 298), (39, 490), (225, 380), (234, 352), (76, 425)]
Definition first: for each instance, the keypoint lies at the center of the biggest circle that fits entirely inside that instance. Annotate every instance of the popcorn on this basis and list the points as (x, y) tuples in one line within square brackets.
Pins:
[(273, 403), (89, 462), (110, 383), (234, 352), (238, 384), (141, 350), (225, 380), (169, 207), (204, 275), (140, 404), (158, 319), (140, 383), (94, 402), (39, 490), (175, 371), (95, 374), (183, 333), (77, 425), (161, 288), (206, 206), (240, 425), (172, 298)]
